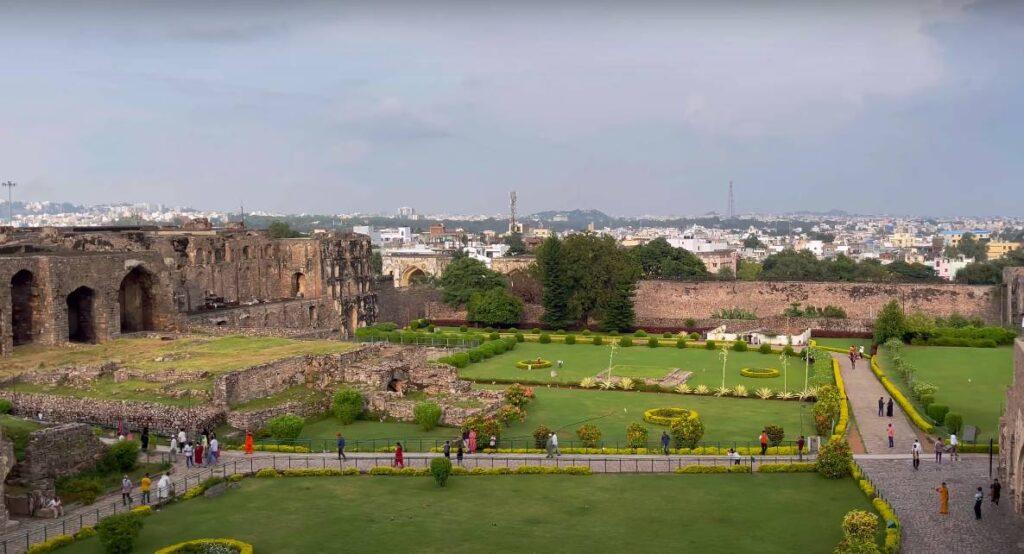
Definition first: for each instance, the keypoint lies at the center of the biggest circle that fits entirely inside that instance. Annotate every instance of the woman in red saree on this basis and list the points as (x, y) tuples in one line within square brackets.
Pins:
[(248, 442), (472, 441), (199, 454), (399, 458)]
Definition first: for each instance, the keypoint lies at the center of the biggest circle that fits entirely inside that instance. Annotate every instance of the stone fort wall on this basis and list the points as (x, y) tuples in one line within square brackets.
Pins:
[(109, 413), (1011, 433)]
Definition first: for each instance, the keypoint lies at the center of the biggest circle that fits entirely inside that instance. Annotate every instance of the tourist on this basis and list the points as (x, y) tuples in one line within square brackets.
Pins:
[(199, 455), (734, 456), (187, 451), (853, 358), (458, 454), (57, 506), (341, 447), (939, 447), (163, 488), (764, 442), (465, 438), (664, 442), (891, 431), (214, 449), (978, 497), (248, 442), (888, 407), (145, 438), (126, 490), (174, 448), (915, 453), (800, 447), (881, 406), (995, 489), (943, 499), (554, 443), (472, 441), (182, 438), (144, 486), (447, 449), (494, 442), (549, 446), (399, 457), (953, 443)]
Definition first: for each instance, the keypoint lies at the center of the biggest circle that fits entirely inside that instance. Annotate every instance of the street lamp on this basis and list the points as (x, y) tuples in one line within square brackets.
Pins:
[(9, 185)]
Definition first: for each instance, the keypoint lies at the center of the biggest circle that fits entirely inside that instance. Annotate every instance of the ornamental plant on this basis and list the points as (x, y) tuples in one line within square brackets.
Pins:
[(859, 529), (775, 434), (687, 432), (625, 342), (517, 395), (834, 459), (545, 339), (636, 435), (120, 456), (540, 436), (709, 345), (441, 469), (570, 339), (739, 346), (653, 342), (589, 435), (680, 343), (598, 340), (347, 404), (118, 532), (508, 414), (765, 348), (285, 426), (427, 415), (953, 422)]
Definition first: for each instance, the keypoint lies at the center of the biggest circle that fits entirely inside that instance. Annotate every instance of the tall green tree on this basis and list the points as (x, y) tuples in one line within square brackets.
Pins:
[(890, 323), (281, 230), (554, 280), (494, 307), (465, 276), (515, 243), (660, 260), (748, 271), (618, 313)]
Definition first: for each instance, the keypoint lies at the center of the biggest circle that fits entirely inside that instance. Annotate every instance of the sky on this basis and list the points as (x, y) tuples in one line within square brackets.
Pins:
[(905, 107)]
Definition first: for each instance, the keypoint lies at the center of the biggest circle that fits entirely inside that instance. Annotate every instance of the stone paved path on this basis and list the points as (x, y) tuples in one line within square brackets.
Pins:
[(912, 494), (863, 390)]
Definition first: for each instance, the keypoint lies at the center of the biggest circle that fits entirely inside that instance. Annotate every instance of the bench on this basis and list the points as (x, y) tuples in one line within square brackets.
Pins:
[(970, 433)]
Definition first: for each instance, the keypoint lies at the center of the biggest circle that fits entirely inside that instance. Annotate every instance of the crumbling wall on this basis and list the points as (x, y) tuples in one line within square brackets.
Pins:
[(110, 413), (61, 451)]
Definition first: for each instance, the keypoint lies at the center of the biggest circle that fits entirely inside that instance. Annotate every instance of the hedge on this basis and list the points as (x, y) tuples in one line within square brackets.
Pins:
[(905, 404), (714, 469), (760, 372), (844, 408), (668, 416), (698, 451), (809, 467), (205, 545)]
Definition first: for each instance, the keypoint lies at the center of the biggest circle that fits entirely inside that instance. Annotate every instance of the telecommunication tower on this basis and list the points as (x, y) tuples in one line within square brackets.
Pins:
[(732, 203)]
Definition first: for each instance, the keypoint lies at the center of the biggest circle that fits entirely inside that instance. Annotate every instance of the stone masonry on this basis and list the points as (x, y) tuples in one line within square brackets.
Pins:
[(1011, 434)]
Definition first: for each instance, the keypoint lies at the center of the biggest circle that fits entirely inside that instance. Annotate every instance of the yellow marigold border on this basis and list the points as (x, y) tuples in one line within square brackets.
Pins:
[(243, 547), (528, 364), (651, 417), (760, 372)]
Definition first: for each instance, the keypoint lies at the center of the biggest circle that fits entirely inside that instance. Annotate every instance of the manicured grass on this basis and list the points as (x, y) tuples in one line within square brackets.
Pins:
[(726, 419), (637, 362), (845, 343), (971, 381), (17, 430), (297, 393), (606, 513)]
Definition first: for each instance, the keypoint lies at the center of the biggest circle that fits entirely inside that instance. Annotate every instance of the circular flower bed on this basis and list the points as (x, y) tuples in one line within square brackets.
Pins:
[(668, 416), (208, 546), (533, 364), (760, 372)]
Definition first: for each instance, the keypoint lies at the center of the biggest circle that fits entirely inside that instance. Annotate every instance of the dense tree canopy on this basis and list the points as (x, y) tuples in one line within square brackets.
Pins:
[(465, 276), (494, 307), (660, 260), (990, 273), (790, 265), (281, 230)]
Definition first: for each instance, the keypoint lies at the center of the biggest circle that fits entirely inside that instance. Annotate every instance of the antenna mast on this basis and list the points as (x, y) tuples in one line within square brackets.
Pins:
[(732, 203), (512, 212)]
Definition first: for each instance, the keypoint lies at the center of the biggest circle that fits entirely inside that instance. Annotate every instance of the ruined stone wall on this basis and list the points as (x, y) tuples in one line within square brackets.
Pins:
[(135, 415), (1011, 433), (401, 305), (256, 419), (1013, 283), (61, 451), (287, 314)]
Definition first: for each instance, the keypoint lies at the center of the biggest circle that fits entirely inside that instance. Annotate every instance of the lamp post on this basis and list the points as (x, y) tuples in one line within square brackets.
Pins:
[(9, 185)]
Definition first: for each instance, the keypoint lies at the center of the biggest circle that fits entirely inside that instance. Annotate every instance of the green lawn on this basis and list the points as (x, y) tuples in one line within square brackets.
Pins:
[(845, 343), (726, 419), (607, 513), (971, 381), (637, 362), (17, 430)]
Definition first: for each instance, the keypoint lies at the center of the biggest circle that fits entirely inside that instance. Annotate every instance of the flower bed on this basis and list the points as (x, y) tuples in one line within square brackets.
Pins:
[(202, 546), (760, 372), (533, 364), (668, 416)]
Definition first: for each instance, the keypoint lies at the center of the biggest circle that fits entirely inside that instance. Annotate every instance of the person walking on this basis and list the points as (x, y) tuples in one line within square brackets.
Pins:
[(187, 451), (447, 449), (953, 444), (458, 454), (939, 447), (472, 441), (145, 438), (341, 447), (550, 447), (174, 448), (144, 486), (888, 407), (800, 448), (978, 497), (554, 443), (994, 490), (163, 489), (915, 453), (182, 439), (198, 455), (214, 449), (943, 499), (399, 456), (664, 442), (248, 443), (881, 406), (860, 352), (764, 442), (126, 491), (891, 432), (853, 358)]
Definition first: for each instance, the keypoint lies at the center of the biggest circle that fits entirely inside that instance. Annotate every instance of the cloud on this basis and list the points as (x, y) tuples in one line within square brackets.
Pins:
[(391, 120)]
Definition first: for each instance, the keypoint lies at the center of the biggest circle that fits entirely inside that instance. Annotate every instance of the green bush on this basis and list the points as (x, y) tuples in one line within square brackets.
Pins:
[(613, 333), (463, 328), (636, 436), (475, 355), (686, 432), (927, 400), (640, 333), (5, 406), (347, 405), (285, 426), (739, 346), (520, 337), (709, 345), (689, 323), (680, 343), (775, 434), (694, 336), (589, 435), (765, 349), (625, 342), (834, 459), (937, 412), (85, 489), (540, 437), (494, 336), (427, 415), (953, 422), (653, 342), (535, 331), (666, 335), (545, 339), (788, 351), (598, 341), (585, 332), (570, 339), (120, 456), (441, 469), (118, 532)]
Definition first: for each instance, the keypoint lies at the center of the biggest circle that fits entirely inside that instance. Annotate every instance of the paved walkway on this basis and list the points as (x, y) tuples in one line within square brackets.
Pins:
[(863, 391), (912, 494)]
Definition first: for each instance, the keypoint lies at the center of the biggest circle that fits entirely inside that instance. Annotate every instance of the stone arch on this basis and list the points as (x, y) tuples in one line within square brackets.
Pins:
[(298, 285), (199, 257), (352, 319), (24, 306), (136, 299), (245, 252), (81, 323), (412, 274)]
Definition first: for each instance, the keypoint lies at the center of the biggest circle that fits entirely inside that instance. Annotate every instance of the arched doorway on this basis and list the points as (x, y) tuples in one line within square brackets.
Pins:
[(80, 315), (298, 285), (352, 318), (412, 276), (23, 307), (136, 299)]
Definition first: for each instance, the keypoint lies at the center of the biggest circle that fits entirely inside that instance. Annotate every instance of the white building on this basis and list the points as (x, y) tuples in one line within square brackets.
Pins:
[(947, 268)]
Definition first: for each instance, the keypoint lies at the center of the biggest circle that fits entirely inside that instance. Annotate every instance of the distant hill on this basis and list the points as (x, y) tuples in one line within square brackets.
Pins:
[(573, 218)]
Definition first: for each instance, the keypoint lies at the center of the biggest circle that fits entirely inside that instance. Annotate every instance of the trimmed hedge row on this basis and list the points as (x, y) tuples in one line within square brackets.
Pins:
[(844, 407), (895, 393), (669, 416), (760, 372)]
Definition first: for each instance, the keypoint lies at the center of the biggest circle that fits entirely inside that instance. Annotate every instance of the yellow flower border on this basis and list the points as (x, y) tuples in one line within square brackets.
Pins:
[(650, 416), (243, 547), (760, 372), (533, 364)]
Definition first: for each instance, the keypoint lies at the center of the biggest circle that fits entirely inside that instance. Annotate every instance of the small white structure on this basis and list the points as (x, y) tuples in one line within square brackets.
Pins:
[(757, 337)]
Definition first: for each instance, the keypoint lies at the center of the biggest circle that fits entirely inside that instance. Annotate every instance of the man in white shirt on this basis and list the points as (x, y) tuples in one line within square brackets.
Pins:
[(554, 443), (915, 453), (214, 450), (182, 438), (163, 488), (953, 442)]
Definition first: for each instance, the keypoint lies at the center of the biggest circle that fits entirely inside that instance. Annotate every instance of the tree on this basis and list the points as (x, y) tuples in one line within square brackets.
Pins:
[(748, 271), (902, 271), (376, 263), (494, 307), (281, 230), (751, 241), (971, 247), (659, 260), (790, 265), (618, 312), (465, 276), (515, 244), (555, 282), (725, 274), (890, 323)]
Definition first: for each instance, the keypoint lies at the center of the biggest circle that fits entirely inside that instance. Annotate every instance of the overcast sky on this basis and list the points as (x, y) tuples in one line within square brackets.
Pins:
[(632, 108)]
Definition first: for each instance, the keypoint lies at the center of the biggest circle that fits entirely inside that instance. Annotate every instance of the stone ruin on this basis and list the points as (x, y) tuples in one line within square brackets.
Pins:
[(51, 453)]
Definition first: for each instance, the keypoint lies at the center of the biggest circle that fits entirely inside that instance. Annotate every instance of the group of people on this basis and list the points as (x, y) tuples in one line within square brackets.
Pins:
[(995, 489), (204, 450), (855, 353), (163, 489), (941, 447)]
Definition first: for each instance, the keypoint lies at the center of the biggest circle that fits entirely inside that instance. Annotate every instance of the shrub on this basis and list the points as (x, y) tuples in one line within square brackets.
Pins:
[(118, 532), (775, 434), (640, 333), (518, 395), (687, 432), (545, 339), (636, 435), (475, 355), (535, 331), (427, 415), (509, 414), (285, 426), (59, 541), (625, 342), (441, 469), (680, 343), (540, 437), (739, 346), (937, 411), (589, 435), (570, 339), (653, 342), (953, 422), (788, 351), (267, 472), (834, 459), (463, 328), (598, 341), (927, 400), (689, 323), (86, 489), (5, 406), (765, 348), (709, 345), (120, 456), (613, 333), (520, 337), (347, 405), (859, 528)]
